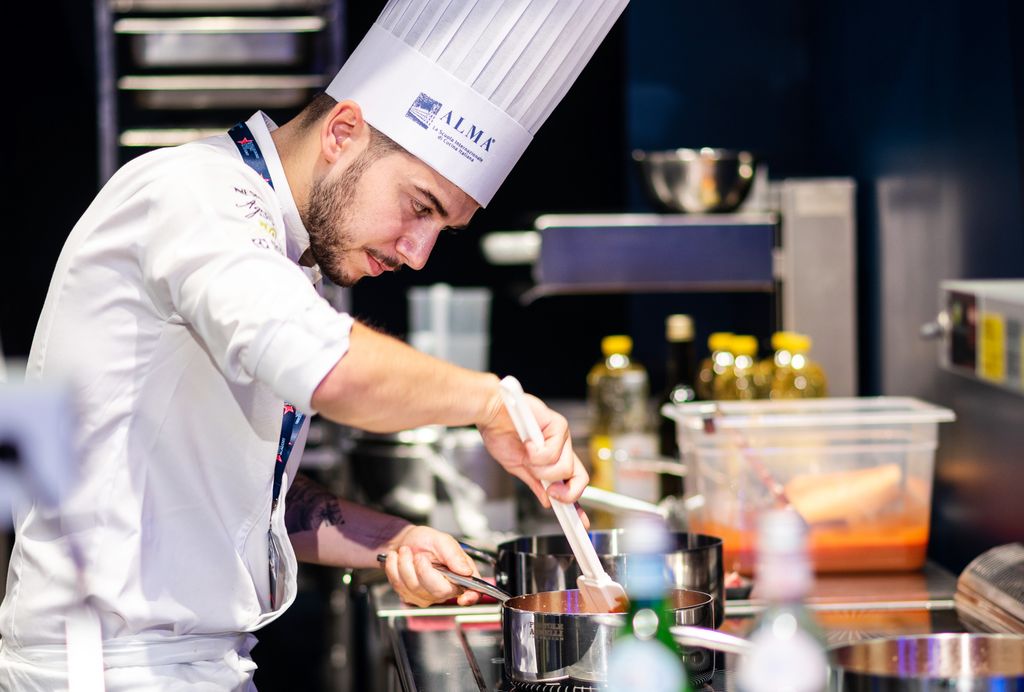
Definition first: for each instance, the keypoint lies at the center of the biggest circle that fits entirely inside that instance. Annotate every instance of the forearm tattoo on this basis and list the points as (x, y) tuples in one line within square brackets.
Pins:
[(308, 506)]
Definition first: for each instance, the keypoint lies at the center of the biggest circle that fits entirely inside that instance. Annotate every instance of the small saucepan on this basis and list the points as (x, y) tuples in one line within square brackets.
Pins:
[(551, 636), (917, 663)]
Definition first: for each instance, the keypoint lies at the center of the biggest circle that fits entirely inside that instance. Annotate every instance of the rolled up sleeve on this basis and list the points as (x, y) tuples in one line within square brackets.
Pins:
[(215, 260)]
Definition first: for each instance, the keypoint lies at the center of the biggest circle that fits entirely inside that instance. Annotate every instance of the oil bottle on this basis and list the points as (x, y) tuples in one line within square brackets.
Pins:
[(739, 381), (618, 391), (719, 361), (795, 375)]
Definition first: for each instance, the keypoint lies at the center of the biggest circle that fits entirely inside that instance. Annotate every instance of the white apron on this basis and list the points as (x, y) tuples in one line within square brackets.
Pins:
[(199, 663)]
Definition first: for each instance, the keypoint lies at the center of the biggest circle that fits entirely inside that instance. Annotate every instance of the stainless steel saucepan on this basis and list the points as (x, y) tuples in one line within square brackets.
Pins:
[(533, 564), (918, 663), (551, 636)]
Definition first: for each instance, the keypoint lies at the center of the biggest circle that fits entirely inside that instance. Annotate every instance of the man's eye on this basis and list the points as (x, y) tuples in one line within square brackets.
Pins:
[(420, 209)]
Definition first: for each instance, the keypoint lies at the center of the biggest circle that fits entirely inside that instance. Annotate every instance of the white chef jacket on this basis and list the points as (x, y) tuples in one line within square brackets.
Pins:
[(179, 311)]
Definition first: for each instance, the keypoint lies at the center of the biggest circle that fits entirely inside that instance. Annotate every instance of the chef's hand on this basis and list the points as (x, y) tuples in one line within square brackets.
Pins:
[(555, 461), (409, 567)]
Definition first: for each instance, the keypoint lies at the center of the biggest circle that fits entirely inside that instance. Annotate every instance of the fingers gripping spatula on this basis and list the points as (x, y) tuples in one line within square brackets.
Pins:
[(599, 592)]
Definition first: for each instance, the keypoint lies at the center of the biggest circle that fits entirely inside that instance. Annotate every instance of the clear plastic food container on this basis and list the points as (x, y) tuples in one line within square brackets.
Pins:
[(859, 470)]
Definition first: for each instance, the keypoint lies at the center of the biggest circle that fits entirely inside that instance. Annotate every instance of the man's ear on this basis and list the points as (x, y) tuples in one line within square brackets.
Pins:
[(342, 130)]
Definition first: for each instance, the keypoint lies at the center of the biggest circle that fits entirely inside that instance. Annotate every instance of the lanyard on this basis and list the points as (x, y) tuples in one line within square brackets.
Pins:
[(291, 423), (241, 135)]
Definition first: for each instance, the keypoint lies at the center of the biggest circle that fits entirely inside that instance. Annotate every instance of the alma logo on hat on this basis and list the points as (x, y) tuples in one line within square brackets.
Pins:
[(423, 110)]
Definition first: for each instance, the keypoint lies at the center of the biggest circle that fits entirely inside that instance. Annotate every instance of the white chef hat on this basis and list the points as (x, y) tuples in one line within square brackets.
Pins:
[(464, 84)]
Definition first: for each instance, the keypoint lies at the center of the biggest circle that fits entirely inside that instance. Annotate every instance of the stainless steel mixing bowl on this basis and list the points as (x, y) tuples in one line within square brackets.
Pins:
[(697, 180)]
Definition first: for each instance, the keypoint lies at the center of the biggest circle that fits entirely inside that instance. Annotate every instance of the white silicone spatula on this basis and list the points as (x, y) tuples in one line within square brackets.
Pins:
[(599, 592)]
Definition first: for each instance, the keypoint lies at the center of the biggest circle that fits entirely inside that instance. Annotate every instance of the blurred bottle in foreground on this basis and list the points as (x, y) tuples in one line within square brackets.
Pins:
[(618, 391), (680, 372), (719, 361), (788, 647), (644, 657), (795, 375)]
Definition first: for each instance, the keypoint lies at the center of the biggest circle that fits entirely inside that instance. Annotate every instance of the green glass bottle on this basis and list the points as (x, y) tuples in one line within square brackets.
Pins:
[(644, 656)]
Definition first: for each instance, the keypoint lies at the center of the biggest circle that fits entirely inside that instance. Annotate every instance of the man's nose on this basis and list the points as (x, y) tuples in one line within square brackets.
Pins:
[(415, 247)]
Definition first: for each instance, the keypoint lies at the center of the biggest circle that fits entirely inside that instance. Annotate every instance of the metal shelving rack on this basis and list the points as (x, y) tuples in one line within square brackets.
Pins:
[(170, 71)]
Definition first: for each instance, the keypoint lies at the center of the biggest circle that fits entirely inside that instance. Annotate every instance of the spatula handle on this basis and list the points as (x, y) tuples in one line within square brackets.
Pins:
[(572, 526)]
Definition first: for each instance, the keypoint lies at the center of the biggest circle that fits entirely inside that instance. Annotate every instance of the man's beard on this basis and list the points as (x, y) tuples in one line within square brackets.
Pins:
[(328, 219)]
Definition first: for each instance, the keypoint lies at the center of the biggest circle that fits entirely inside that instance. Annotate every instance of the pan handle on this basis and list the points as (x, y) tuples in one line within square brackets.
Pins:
[(598, 498), (471, 583), (488, 557), (688, 635), (474, 584)]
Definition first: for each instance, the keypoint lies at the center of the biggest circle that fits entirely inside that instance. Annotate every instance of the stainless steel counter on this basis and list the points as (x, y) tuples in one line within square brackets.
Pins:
[(443, 649)]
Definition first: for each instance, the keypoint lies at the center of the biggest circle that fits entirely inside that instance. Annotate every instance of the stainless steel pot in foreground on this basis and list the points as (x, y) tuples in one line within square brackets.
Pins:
[(962, 662), (532, 564), (552, 636), (919, 663), (549, 636)]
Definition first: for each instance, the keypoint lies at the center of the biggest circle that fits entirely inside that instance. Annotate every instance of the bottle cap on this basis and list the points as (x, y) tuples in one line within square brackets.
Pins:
[(781, 531), (743, 345), (779, 340), (800, 343), (645, 534), (720, 341), (617, 343), (791, 341), (679, 328)]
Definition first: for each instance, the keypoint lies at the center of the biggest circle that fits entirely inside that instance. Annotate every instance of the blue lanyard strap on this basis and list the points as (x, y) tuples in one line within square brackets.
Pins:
[(241, 135), (291, 423)]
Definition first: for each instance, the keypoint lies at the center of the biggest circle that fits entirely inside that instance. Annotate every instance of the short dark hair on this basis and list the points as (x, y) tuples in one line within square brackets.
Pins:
[(321, 105)]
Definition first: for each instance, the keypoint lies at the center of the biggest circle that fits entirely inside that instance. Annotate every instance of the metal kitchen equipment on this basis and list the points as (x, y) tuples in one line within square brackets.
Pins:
[(548, 637), (962, 662), (532, 564), (697, 180), (170, 71), (980, 326), (391, 472), (554, 635), (464, 651), (990, 591), (672, 509), (434, 475)]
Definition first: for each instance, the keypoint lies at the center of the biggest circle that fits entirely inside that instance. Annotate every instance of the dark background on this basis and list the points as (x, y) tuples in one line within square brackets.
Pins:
[(867, 90), (877, 91)]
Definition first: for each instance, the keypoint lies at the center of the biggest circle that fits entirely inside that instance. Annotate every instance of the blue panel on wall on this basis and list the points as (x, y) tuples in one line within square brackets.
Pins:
[(717, 256)]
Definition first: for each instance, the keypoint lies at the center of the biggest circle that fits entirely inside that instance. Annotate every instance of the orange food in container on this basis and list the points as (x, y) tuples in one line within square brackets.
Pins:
[(858, 470)]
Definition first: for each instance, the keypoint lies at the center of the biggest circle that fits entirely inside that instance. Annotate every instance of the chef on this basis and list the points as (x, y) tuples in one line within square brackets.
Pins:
[(185, 309)]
